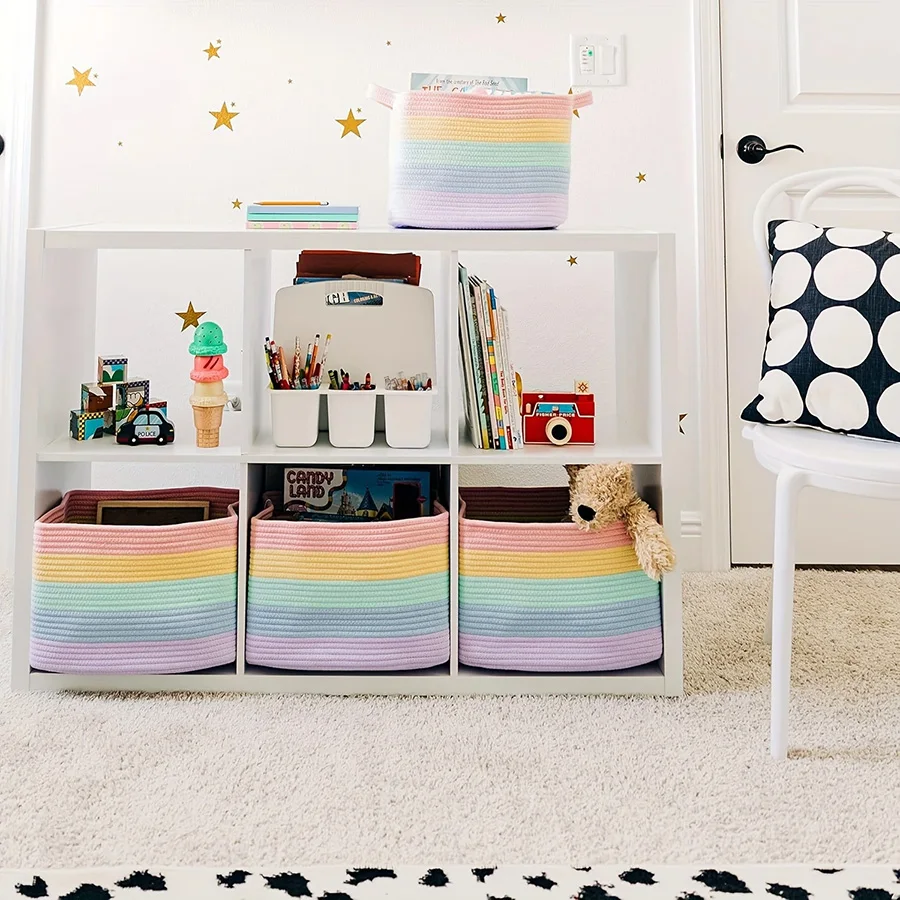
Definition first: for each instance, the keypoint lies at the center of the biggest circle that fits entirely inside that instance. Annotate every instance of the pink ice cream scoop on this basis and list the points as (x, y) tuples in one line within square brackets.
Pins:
[(209, 368)]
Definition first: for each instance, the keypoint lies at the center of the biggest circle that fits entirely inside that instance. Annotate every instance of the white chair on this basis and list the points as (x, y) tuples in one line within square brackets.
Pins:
[(802, 457)]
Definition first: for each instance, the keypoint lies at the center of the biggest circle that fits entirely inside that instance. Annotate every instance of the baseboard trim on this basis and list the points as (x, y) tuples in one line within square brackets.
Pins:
[(691, 555)]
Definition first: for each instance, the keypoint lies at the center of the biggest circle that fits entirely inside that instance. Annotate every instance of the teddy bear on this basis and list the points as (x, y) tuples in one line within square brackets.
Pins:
[(603, 494)]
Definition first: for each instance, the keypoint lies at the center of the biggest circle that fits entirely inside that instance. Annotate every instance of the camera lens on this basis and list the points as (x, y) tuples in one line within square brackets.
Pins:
[(558, 430)]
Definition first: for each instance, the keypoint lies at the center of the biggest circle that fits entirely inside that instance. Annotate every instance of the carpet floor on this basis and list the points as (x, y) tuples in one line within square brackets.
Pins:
[(273, 781)]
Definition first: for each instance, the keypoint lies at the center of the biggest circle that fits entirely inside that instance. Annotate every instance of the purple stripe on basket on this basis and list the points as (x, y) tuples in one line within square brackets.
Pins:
[(140, 658), (433, 209), (349, 653), (561, 654)]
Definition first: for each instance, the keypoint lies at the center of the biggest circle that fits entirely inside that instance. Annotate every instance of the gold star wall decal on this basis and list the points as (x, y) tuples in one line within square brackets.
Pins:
[(290, 80), (235, 204), (681, 418), (575, 112), (641, 177), (572, 260), (350, 124), (120, 143), (190, 316), (223, 117), (82, 79), (211, 51), (501, 18), (388, 43), (358, 109)]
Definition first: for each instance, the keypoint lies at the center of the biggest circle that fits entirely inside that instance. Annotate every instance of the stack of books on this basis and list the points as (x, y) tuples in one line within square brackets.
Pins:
[(493, 410), (301, 214)]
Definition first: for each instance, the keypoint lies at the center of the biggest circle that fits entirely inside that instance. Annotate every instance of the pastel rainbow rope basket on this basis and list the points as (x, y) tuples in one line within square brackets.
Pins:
[(537, 594), (479, 160), (134, 600), (349, 596)]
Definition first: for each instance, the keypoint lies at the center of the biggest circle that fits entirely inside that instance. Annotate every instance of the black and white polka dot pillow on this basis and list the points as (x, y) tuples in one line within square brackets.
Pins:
[(832, 357)]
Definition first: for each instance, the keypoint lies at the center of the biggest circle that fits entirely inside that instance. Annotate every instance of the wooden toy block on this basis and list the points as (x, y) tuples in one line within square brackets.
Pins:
[(85, 426), (112, 369), (132, 394), (161, 405), (122, 415), (96, 397)]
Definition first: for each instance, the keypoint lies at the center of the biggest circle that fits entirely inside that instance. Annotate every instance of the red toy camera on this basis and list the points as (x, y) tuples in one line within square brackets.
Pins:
[(558, 418)]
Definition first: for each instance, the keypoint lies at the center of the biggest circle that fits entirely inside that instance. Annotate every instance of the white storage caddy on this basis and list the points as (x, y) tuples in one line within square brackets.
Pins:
[(381, 340)]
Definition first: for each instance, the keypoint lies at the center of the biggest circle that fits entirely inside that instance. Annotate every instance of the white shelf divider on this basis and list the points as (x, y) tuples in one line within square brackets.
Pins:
[(62, 286)]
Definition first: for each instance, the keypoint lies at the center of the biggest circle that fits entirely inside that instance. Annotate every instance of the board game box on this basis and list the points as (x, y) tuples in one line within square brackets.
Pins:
[(354, 494)]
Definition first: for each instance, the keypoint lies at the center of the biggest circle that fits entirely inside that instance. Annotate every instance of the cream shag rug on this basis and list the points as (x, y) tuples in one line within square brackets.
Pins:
[(277, 781)]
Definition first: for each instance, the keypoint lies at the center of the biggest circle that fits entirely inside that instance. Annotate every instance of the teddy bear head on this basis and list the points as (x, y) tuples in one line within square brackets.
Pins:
[(599, 494)]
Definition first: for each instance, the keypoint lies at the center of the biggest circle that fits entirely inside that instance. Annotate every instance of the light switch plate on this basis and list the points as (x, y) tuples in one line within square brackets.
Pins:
[(596, 60)]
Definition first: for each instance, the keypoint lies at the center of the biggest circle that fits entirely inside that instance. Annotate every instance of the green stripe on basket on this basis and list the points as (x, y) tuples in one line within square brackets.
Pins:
[(476, 153), (554, 592), (392, 592), (135, 595)]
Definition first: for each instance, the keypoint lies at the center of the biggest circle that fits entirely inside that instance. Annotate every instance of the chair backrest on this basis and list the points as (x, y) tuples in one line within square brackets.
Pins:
[(818, 182)]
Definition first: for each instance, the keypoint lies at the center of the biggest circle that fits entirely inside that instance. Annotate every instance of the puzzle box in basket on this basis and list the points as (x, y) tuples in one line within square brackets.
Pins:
[(469, 160)]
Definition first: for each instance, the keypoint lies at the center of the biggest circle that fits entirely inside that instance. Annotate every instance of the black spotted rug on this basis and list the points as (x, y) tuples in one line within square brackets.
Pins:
[(604, 882)]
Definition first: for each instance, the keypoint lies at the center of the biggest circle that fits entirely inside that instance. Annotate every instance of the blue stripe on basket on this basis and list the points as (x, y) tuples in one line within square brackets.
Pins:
[(611, 620), (349, 594), (552, 593), (395, 621), (90, 630), (484, 180), (136, 595), (479, 153)]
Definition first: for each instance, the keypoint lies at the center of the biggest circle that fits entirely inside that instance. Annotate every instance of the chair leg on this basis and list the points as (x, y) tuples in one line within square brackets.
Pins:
[(787, 488)]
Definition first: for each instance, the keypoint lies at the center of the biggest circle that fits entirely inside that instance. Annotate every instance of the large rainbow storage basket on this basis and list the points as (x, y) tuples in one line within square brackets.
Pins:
[(348, 596), (537, 594), (466, 160), (134, 599)]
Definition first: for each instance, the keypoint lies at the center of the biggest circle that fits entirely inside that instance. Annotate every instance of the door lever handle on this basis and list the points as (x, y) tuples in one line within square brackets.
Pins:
[(752, 149)]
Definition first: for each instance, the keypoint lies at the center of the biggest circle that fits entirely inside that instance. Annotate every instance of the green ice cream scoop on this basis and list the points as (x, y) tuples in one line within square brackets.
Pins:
[(208, 341)]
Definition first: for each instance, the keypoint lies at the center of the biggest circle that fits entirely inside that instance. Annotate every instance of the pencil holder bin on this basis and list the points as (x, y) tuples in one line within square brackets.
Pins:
[(134, 599), (295, 418), (351, 418), (537, 594), (347, 596), (479, 160), (407, 418)]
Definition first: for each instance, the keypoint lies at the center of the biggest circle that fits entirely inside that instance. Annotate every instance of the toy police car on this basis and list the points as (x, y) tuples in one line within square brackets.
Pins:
[(149, 426)]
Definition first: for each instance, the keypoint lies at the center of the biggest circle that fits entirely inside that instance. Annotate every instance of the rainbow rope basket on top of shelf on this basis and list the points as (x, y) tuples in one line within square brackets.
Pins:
[(479, 160)]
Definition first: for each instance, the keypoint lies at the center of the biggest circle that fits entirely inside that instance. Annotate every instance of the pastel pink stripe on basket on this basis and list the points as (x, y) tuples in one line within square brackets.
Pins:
[(52, 535), (438, 104), (364, 537), (537, 538)]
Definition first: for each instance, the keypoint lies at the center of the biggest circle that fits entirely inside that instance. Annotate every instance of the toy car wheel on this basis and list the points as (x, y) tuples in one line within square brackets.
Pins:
[(133, 441), (161, 439)]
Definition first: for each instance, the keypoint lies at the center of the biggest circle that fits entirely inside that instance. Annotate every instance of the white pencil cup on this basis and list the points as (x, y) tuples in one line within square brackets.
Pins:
[(351, 418), (407, 418), (295, 417)]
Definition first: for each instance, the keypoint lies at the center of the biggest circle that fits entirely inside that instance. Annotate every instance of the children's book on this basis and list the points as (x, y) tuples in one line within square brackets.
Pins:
[(468, 341), (424, 81)]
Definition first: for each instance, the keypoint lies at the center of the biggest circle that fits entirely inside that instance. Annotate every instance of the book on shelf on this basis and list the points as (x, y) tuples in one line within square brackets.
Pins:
[(489, 379), (427, 81), (308, 226)]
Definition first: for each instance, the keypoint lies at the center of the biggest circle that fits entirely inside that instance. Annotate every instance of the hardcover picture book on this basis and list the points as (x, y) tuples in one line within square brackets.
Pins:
[(422, 81)]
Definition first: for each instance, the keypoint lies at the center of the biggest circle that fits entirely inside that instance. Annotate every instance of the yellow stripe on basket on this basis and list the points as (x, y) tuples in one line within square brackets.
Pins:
[(575, 564), (422, 128), (62, 567), (343, 566)]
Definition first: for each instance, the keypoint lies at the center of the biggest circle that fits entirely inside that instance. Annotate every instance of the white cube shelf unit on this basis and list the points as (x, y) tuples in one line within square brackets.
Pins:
[(62, 288)]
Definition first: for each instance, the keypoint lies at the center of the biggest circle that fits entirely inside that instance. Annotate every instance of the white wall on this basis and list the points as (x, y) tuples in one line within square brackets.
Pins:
[(155, 86)]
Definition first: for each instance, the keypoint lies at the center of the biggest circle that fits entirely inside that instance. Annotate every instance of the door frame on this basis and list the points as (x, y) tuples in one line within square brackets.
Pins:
[(710, 308), (24, 40)]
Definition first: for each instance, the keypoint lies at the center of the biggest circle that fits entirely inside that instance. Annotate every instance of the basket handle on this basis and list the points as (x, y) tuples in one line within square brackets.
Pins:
[(584, 98), (380, 95)]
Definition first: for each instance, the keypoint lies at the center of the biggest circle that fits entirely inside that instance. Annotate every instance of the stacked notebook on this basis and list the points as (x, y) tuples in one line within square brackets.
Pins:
[(491, 385), (289, 214)]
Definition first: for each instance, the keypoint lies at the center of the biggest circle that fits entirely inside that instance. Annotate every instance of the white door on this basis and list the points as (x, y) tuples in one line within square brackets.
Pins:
[(17, 31), (823, 74)]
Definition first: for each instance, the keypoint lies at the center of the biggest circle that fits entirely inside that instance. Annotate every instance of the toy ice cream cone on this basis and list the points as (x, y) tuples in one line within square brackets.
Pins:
[(209, 397)]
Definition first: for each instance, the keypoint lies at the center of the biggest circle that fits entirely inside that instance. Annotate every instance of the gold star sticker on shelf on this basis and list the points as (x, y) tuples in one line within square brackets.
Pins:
[(572, 260), (235, 204), (82, 79), (190, 316), (501, 18), (575, 112), (211, 51), (350, 124), (681, 418), (223, 117), (641, 177)]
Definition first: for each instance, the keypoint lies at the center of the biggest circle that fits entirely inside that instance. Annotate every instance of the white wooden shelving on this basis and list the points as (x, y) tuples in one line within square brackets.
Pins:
[(62, 287)]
